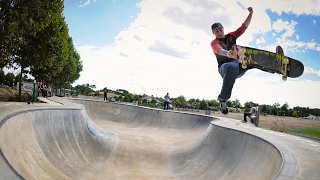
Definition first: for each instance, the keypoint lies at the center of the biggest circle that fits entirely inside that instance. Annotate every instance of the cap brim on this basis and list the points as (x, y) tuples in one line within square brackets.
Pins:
[(217, 28)]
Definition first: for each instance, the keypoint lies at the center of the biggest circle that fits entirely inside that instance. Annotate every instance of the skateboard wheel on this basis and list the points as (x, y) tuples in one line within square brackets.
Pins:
[(244, 66), (285, 61), (284, 78)]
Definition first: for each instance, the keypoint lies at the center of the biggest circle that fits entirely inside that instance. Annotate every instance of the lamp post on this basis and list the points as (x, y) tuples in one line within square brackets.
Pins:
[(34, 89)]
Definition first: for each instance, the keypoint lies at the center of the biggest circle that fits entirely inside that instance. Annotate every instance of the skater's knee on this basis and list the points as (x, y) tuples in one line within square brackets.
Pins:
[(232, 73), (230, 70)]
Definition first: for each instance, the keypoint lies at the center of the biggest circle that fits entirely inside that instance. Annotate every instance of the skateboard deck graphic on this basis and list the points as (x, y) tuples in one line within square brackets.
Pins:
[(270, 61)]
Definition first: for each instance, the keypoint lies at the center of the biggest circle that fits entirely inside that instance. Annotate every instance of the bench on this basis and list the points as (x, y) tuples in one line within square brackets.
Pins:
[(255, 118)]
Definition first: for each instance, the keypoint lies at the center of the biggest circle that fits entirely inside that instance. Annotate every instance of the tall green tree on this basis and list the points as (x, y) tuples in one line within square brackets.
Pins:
[(49, 51), (22, 20), (71, 68)]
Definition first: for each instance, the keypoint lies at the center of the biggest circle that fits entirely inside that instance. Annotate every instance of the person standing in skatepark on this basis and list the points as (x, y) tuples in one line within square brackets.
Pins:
[(229, 67), (166, 102), (105, 91)]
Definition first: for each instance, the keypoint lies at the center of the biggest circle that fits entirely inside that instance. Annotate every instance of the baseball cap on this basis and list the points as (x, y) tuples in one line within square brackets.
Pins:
[(216, 26)]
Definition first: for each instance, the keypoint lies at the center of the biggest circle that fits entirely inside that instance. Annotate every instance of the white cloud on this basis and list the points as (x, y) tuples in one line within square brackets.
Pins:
[(88, 2), (288, 28), (298, 7), (260, 41), (310, 70), (314, 22), (292, 46)]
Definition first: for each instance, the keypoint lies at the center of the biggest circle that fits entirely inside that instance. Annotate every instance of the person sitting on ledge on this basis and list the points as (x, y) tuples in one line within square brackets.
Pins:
[(250, 113)]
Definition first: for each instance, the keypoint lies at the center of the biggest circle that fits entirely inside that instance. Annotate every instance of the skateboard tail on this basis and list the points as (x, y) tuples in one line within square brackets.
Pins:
[(296, 68)]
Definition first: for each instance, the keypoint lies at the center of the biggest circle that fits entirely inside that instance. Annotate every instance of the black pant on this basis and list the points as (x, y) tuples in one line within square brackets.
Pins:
[(245, 116), (44, 93), (166, 104), (105, 96)]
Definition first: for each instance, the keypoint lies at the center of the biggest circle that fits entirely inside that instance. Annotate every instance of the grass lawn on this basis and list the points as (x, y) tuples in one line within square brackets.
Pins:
[(311, 131)]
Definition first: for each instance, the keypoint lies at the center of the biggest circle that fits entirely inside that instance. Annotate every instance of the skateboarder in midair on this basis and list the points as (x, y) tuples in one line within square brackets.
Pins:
[(229, 67)]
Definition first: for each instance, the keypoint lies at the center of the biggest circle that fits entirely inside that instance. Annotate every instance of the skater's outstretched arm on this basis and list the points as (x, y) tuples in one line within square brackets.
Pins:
[(248, 20)]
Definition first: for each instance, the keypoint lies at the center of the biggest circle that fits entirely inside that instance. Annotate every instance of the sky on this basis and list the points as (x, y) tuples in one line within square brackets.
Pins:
[(153, 47)]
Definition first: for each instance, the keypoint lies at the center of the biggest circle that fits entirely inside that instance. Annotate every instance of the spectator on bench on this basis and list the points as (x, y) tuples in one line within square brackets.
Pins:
[(250, 113)]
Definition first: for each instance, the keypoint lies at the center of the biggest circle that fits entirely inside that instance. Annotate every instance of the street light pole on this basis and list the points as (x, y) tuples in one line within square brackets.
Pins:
[(34, 95)]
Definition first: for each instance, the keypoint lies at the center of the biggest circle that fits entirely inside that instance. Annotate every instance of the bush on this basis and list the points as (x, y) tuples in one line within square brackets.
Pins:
[(12, 95)]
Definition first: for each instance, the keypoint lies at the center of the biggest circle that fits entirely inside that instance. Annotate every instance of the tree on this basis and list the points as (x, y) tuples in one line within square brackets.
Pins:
[(181, 98), (213, 103), (285, 107), (203, 104), (84, 89), (247, 105), (295, 114), (180, 101), (228, 103), (236, 103), (119, 98), (2, 76), (21, 18), (122, 92), (276, 105), (192, 100), (127, 97), (93, 86), (135, 97), (21, 22), (71, 67), (9, 79)]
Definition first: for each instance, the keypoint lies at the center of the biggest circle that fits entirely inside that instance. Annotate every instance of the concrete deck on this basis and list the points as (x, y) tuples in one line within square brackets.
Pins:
[(68, 138)]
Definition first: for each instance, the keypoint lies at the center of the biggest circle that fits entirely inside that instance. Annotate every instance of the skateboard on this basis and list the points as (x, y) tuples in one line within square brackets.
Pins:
[(269, 61)]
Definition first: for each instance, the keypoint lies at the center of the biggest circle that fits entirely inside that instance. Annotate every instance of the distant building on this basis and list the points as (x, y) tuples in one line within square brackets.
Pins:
[(312, 117), (148, 98)]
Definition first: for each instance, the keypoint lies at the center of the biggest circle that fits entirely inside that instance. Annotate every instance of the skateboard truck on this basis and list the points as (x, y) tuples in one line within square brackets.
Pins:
[(244, 59), (241, 56), (285, 62)]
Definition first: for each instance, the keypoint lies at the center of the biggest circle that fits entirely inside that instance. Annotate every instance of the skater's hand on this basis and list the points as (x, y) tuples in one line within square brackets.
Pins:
[(232, 53), (250, 10)]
